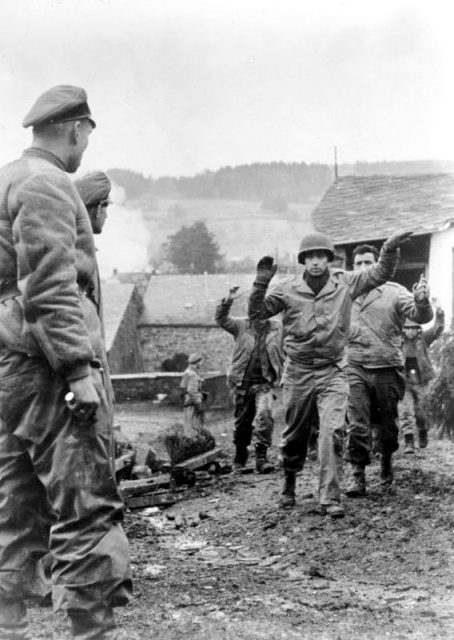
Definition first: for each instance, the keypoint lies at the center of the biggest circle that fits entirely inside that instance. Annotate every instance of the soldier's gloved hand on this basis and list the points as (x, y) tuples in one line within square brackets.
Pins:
[(86, 399), (396, 239), (265, 270), (421, 291)]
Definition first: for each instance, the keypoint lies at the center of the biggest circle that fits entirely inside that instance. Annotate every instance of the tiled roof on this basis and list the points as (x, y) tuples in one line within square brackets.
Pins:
[(192, 299), (371, 207), (115, 298)]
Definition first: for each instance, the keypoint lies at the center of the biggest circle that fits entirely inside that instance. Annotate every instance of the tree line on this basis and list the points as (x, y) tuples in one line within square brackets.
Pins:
[(266, 182)]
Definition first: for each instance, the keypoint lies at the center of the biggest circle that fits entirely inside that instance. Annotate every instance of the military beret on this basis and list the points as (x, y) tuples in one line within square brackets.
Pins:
[(59, 104), (93, 188)]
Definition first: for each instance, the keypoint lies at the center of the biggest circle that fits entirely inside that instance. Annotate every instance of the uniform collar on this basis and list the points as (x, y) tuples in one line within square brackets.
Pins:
[(37, 152)]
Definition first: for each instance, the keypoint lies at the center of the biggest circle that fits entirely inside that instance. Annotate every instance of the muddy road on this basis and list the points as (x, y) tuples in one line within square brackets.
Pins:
[(224, 563)]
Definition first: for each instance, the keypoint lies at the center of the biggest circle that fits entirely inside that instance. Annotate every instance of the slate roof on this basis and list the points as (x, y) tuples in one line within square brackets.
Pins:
[(192, 299), (359, 208), (115, 297)]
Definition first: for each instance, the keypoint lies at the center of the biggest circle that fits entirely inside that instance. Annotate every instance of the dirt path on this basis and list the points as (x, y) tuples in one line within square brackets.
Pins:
[(244, 569)]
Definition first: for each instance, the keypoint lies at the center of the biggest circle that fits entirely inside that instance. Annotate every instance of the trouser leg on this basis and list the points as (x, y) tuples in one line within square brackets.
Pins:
[(74, 465), (407, 413), (332, 386), (263, 422), (358, 440), (299, 399), (244, 413), (388, 389)]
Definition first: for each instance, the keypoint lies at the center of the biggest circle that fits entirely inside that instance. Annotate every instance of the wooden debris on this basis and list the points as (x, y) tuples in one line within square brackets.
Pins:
[(197, 462), (131, 488), (124, 463), (151, 500)]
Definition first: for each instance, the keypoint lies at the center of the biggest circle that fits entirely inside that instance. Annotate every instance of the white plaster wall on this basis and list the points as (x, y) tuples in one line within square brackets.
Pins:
[(440, 274)]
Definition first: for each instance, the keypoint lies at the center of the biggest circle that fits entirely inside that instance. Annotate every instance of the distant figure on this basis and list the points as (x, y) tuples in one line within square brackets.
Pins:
[(191, 384), (418, 373), (254, 374)]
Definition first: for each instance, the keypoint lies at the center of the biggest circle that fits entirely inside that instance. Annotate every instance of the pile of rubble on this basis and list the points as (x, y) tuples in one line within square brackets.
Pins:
[(147, 479)]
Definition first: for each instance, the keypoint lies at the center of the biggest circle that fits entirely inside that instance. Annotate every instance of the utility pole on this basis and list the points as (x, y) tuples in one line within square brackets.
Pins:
[(335, 165)]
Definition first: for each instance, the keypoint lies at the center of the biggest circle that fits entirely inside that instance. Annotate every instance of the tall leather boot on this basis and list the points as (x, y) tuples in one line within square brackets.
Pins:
[(288, 492), (98, 624), (356, 486), (409, 444), (422, 438), (13, 620), (386, 469), (261, 463), (241, 457)]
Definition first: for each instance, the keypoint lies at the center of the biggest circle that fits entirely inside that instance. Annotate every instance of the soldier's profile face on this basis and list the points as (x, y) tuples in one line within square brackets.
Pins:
[(364, 261)]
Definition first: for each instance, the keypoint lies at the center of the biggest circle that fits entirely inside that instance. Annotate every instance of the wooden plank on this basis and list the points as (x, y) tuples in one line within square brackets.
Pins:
[(124, 461), (131, 488), (198, 461), (150, 500)]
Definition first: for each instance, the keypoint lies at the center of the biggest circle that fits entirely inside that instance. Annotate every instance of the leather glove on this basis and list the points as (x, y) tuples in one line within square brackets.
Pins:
[(265, 270), (396, 239)]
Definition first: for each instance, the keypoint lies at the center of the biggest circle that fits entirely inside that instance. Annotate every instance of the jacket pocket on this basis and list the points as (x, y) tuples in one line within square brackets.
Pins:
[(14, 331)]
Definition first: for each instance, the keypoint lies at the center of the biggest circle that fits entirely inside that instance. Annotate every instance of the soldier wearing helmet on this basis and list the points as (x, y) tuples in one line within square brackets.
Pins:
[(418, 373), (375, 369), (315, 312)]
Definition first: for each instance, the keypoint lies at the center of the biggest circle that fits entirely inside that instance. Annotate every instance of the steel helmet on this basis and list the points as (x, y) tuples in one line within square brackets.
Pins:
[(411, 324), (316, 242)]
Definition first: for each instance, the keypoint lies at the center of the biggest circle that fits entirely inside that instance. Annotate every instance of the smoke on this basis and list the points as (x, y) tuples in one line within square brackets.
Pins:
[(124, 240)]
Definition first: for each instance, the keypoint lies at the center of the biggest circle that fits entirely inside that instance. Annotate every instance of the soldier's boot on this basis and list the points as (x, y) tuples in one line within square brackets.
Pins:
[(386, 469), (288, 492), (356, 484), (13, 620), (98, 624), (409, 448), (422, 438), (261, 463), (240, 459), (333, 510)]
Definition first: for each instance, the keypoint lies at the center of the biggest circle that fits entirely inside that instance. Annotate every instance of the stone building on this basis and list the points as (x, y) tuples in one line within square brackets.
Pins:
[(122, 308), (357, 210), (179, 319)]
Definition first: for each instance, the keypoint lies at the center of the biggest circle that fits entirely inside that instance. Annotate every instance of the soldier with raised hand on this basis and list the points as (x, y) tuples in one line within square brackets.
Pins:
[(315, 312), (375, 369), (254, 373), (418, 373), (57, 475)]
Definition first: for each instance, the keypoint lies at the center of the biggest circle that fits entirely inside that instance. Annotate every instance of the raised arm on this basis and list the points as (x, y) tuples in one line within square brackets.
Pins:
[(223, 317), (430, 335), (260, 305), (365, 280), (416, 307)]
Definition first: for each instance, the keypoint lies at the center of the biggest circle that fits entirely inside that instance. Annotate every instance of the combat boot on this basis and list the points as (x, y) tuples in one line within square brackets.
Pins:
[(356, 486), (240, 459), (409, 444), (288, 492), (97, 624), (422, 438), (386, 470), (261, 463)]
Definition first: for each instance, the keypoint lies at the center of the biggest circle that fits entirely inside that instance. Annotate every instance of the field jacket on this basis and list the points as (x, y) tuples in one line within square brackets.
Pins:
[(316, 326), (421, 346), (47, 266), (375, 339), (244, 342)]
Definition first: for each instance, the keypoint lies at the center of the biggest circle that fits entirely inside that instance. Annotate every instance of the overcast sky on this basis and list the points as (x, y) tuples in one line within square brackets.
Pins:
[(180, 87)]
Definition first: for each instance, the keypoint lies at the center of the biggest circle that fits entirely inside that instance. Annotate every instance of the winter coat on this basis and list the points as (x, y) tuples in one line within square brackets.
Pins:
[(47, 266), (244, 344), (316, 325), (375, 338), (421, 344)]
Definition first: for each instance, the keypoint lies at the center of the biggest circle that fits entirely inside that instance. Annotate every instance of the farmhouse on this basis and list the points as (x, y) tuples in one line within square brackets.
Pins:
[(179, 319), (357, 210)]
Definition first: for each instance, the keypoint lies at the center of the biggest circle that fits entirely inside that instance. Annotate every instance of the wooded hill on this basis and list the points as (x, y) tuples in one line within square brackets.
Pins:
[(273, 183)]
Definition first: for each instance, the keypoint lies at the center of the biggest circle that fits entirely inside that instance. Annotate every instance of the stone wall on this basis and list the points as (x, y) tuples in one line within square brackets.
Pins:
[(165, 388), (161, 342)]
